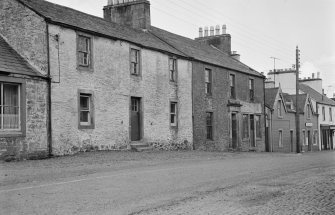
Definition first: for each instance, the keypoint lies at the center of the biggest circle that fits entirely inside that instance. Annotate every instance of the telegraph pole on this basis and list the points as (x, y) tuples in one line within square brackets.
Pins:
[(297, 115), (274, 68)]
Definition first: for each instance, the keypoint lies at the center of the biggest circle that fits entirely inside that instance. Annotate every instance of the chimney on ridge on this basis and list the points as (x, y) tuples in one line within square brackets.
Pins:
[(132, 13), (220, 41)]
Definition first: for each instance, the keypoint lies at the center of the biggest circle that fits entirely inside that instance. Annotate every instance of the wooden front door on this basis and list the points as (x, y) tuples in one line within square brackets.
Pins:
[(252, 131), (135, 119), (234, 130)]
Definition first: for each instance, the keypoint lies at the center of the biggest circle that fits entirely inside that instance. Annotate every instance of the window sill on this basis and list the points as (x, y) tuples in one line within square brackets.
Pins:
[(175, 127), (86, 127), (12, 134), (85, 68)]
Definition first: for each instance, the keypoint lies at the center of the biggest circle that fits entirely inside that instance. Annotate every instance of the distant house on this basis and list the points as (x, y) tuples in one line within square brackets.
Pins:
[(280, 124), (116, 82), (325, 107)]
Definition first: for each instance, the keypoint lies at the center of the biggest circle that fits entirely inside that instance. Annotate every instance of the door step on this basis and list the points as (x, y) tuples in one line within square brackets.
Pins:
[(140, 147)]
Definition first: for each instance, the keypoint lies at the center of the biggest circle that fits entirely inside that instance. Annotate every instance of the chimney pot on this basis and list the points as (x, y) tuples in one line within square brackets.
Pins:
[(200, 32), (212, 30), (224, 29), (318, 74), (313, 75), (206, 31), (217, 30)]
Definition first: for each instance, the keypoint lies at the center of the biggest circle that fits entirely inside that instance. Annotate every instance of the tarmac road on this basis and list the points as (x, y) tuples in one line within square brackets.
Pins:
[(240, 184)]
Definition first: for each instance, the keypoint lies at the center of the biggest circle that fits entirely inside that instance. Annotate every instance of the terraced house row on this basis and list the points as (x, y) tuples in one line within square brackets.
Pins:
[(74, 82)]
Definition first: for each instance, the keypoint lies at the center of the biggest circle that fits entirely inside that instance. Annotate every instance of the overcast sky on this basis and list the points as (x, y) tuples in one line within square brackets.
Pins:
[(260, 29)]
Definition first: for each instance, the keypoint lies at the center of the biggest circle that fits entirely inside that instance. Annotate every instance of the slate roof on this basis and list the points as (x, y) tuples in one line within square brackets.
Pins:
[(69, 17), (270, 96), (316, 95), (292, 98), (12, 62), (155, 38), (202, 52)]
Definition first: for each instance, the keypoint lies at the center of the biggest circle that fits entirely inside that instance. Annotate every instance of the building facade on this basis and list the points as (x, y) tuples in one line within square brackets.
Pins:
[(116, 82)]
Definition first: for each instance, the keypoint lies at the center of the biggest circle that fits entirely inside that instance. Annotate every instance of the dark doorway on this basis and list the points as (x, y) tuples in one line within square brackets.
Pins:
[(234, 130), (292, 143), (135, 118), (309, 141), (252, 131)]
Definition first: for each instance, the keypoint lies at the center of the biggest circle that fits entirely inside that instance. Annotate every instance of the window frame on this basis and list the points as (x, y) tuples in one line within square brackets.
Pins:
[(315, 137), (175, 114), (279, 108), (251, 85), (90, 94), (323, 113), (330, 114), (209, 82), (174, 70), (209, 135), (80, 66), (280, 138), (21, 132), (138, 63), (309, 113), (232, 84)]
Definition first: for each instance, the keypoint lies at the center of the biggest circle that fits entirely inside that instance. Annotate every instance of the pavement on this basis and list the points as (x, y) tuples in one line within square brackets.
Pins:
[(171, 183)]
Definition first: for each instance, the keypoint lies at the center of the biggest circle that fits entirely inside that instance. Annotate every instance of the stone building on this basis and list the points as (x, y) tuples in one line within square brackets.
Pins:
[(117, 82), (23, 106), (228, 96)]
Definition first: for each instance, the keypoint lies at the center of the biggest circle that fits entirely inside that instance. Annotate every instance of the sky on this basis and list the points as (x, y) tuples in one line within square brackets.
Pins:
[(259, 29)]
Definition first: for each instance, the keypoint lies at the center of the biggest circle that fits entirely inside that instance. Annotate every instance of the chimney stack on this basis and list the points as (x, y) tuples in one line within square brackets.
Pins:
[(132, 13), (213, 37), (313, 75)]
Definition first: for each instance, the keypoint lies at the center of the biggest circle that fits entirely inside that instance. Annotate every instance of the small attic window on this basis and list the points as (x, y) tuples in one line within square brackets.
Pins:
[(289, 105)]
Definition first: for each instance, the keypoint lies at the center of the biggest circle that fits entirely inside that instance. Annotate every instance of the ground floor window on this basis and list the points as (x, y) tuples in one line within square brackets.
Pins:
[(86, 113), (209, 125), (10, 106), (315, 137), (303, 137), (173, 114), (280, 138)]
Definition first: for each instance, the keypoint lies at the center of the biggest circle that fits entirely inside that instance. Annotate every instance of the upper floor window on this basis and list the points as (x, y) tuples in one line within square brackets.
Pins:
[(279, 108), (308, 111), (173, 69), (86, 113), (208, 81), (134, 61), (330, 114), (10, 107), (280, 138), (323, 113), (232, 86), (251, 89), (173, 113), (84, 51), (209, 125)]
